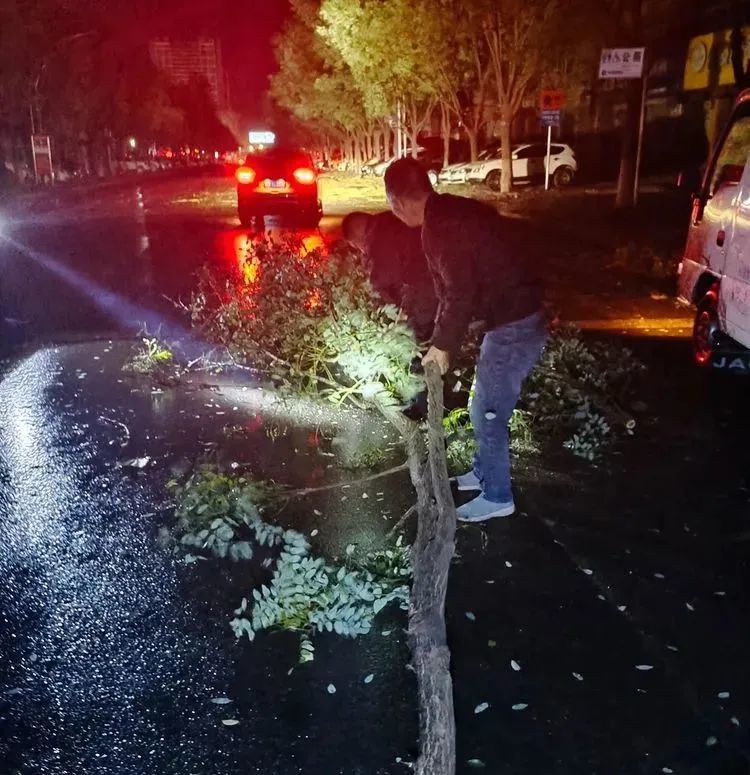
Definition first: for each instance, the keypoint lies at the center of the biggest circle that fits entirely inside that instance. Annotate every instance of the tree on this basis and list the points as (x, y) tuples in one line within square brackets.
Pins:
[(366, 35), (738, 16), (518, 38), (313, 82)]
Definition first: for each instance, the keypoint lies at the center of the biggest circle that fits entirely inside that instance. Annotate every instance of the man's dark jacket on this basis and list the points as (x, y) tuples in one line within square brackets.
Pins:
[(399, 272), (479, 263)]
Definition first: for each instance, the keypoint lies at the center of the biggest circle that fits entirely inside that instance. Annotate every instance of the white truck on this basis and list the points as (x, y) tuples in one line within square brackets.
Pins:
[(714, 273)]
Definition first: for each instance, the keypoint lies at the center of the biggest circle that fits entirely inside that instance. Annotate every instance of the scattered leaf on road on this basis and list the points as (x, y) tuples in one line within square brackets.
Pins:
[(368, 678), (229, 722), (481, 707), (317, 512), (515, 665), (221, 700), (137, 462), (476, 763), (587, 571), (314, 533), (491, 644), (723, 695), (331, 689), (689, 607), (578, 676), (711, 741), (735, 721), (644, 667), (508, 564), (470, 616), (520, 706)]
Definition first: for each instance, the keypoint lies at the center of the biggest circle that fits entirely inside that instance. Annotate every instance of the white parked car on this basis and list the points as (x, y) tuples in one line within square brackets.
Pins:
[(380, 168), (714, 273), (529, 162), (368, 167), (454, 173)]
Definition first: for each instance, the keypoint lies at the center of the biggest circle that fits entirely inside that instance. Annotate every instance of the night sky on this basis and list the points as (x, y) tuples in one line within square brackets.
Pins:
[(246, 29)]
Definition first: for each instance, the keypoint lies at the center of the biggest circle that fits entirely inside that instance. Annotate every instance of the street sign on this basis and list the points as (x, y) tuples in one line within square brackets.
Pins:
[(622, 63), (261, 137), (552, 99), (41, 154), (551, 117)]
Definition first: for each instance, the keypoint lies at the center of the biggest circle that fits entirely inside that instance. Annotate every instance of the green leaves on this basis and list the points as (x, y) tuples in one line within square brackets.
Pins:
[(311, 322)]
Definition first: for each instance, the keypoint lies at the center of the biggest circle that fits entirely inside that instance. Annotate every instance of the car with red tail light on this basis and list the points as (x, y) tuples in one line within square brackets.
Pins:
[(278, 182)]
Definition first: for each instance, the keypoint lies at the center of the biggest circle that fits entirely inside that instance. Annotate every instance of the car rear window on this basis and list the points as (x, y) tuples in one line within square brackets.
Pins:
[(280, 156)]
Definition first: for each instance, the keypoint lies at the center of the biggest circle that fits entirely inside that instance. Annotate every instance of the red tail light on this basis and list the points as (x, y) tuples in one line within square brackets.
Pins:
[(245, 175), (304, 175)]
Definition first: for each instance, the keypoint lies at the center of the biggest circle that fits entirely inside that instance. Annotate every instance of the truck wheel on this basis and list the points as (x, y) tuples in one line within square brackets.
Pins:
[(563, 176), (433, 176), (706, 327), (494, 180)]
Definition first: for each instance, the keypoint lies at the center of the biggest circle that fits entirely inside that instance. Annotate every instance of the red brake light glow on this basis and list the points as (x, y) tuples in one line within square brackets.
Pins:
[(304, 175), (245, 175)]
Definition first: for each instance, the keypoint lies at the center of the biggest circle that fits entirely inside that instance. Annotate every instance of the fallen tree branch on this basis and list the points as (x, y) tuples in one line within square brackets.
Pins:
[(402, 521), (371, 478), (431, 557)]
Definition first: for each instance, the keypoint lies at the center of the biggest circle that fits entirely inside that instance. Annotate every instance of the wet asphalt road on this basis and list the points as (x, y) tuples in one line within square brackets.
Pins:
[(112, 650)]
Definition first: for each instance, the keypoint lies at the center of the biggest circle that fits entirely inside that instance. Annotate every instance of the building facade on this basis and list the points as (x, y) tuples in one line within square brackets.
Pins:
[(184, 60)]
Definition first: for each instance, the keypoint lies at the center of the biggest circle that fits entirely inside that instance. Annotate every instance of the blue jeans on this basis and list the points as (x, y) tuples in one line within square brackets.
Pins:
[(506, 357)]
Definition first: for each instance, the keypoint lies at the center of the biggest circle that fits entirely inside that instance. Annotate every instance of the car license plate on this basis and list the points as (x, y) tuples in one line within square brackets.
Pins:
[(732, 361), (280, 183)]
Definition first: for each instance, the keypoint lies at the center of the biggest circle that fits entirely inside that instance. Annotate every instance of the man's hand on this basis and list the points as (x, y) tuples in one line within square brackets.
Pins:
[(441, 357)]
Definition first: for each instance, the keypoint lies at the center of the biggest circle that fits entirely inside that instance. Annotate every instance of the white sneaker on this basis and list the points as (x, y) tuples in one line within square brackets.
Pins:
[(468, 481), (480, 509)]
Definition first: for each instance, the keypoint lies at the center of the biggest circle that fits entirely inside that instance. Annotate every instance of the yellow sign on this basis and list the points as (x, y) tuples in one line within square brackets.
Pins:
[(709, 60)]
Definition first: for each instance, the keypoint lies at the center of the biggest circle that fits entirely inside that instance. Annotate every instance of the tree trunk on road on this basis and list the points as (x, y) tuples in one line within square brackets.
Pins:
[(431, 557)]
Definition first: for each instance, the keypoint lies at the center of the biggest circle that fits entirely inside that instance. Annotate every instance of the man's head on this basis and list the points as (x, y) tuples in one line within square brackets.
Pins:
[(407, 188), (354, 229)]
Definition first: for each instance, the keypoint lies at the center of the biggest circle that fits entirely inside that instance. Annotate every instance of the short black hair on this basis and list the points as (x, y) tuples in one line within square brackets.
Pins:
[(407, 178), (353, 223)]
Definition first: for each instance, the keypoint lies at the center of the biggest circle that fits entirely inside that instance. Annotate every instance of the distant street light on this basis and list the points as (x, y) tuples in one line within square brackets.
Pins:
[(132, 142)]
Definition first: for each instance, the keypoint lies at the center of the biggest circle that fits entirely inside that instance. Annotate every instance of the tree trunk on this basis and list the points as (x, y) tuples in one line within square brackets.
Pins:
[(736, 44), (632, 17), (472, 136), (445, 126), (413, 135), (431, 557), (433, 551), (357, 152), (626, 178), (367, 138), (506, 173)]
